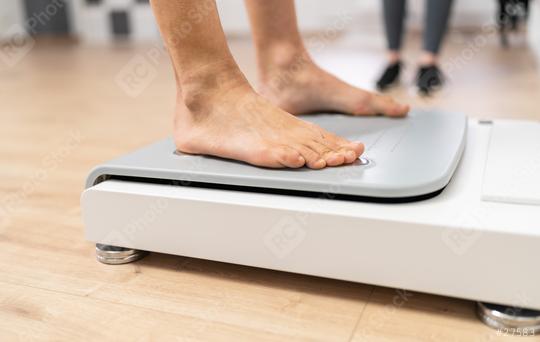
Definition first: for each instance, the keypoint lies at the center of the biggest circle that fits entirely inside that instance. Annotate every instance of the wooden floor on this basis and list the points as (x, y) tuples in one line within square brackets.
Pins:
[(63, 109)]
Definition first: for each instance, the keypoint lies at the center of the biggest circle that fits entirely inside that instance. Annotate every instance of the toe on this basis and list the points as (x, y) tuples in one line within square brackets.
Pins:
[(289, 157), (325, 145), (357, 147), (330, 153), (334, 158), (275, 157), (349, 155), (313, 160), (350, 151)]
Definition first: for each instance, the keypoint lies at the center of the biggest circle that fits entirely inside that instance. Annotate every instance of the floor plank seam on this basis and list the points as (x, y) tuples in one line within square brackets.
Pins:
[(42, 288), (206, 321), (357, 323), (85, 296)]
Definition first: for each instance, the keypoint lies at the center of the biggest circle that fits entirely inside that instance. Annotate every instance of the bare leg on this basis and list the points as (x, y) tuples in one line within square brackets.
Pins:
[(428, 58), (289, 77), (218, 113)]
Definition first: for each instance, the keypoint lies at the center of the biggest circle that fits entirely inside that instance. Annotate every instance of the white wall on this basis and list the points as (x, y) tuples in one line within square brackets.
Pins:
[(319, 15), (11, 18), (92, 25), (312, 15), (534, 27)]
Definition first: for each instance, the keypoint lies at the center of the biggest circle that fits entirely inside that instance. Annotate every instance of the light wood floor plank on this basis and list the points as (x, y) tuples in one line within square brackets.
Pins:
[(30, 314), (51, 287)]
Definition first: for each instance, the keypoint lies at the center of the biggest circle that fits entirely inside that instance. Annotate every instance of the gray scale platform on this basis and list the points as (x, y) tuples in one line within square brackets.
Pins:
[(407, 157)]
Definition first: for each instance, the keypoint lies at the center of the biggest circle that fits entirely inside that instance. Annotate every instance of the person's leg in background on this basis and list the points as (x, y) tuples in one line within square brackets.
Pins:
[(290, 78), (217, 111), (429, 75), (394, 13)]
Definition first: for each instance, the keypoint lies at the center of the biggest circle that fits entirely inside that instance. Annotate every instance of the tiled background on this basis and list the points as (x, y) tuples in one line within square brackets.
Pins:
[(101, 20)]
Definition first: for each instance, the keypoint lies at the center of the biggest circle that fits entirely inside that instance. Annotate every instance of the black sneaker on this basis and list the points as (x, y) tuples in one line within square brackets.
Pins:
[(429, 79), (389, 77)]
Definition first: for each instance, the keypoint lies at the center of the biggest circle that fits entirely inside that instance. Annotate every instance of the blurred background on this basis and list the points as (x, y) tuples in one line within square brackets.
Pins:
[(95, 61), (101, 21), (100, 55), (353, 25), (100, 68), (84, 81)]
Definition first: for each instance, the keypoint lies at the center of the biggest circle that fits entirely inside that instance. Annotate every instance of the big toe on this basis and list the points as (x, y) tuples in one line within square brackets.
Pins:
[(348, 149), (357, 149), (323, 144)]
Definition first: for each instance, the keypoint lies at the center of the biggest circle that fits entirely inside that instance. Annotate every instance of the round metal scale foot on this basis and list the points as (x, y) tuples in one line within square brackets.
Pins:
[(510, 320), (112, 255)]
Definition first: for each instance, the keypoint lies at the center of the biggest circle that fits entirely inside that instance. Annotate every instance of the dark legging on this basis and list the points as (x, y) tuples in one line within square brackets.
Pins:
[(436, 22)]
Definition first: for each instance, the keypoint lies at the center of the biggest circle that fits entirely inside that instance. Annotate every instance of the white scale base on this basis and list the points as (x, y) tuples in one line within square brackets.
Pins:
[(479, 239)]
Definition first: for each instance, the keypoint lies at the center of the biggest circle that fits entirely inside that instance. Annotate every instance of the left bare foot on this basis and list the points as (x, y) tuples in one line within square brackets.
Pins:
[(293, 82)]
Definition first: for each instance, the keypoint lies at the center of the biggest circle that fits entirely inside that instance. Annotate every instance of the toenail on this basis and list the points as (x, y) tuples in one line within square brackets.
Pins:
[(351, 155), (333, 159)]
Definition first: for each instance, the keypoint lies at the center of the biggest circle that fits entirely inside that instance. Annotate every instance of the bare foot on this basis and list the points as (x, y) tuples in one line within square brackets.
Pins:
[(222, 116), (291, 80)]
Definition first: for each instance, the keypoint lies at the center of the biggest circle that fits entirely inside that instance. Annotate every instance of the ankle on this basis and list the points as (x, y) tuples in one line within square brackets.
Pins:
[(394, 57), (428, 59), (281, 60), (198, 88)]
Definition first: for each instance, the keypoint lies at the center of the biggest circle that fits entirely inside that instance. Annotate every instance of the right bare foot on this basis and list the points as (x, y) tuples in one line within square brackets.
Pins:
[(223, 116)]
